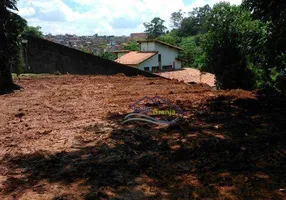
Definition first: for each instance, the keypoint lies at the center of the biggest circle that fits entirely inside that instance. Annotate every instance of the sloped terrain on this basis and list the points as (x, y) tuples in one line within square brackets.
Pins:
[(61, 137), (190, 75)]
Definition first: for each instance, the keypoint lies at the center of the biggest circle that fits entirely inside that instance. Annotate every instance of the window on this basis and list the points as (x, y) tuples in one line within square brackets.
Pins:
[(159, 58), (166, 67), (146, 69), (155, 68)]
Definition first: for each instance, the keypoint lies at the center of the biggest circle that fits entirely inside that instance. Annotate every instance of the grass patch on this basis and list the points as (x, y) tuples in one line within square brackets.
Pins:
[(28, 75)]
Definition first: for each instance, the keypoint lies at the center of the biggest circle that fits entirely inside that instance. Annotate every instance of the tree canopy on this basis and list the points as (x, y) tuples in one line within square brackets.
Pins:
[(244, 46), (33, 31), (272, 13), (231, 46), (195, 23), (155, 28), (131, 46), (176, 19)]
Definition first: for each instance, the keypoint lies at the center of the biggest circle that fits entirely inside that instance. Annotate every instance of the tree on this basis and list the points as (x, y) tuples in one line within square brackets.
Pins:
[(155, 29), (233, 46), (196, 22), (15, 31), (176, 19), (33, 31), (193, 55), (272, 12), (87, 50), (171, 37), (107, 55), (8, 40), (132, 46)]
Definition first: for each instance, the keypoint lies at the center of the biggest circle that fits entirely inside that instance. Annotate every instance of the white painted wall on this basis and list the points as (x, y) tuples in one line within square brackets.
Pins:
[(178, 64), (168, 55), (152, 62), (148, 46)]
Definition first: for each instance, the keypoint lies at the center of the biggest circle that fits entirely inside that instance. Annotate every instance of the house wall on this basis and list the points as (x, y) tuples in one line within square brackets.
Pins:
[(168, 55), (148, 46), (152, 62), (178, 64), (44, 56)]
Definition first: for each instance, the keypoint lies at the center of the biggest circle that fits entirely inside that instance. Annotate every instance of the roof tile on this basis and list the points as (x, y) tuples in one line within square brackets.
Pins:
[(136, 57)]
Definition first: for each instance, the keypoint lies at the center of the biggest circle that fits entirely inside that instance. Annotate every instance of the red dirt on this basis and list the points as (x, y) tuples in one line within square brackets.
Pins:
[(190, 75), (61, 137)]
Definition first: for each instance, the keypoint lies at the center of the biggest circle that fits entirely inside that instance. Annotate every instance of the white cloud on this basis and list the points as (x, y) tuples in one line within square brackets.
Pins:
[(110, 17), (27, 12)]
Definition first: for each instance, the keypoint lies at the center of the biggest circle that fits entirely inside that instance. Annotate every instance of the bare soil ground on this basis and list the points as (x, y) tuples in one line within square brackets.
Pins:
[(190, 75), (61, 138)]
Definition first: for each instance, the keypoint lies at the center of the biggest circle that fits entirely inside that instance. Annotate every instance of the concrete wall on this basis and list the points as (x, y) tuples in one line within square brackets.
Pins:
[(47, 57)]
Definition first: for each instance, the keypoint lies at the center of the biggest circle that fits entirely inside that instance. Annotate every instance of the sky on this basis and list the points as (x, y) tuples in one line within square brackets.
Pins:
[(103, 17)]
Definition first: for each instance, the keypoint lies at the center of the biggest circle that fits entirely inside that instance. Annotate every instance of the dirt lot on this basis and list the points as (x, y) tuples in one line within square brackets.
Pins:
[(61, 138), (189, 75)]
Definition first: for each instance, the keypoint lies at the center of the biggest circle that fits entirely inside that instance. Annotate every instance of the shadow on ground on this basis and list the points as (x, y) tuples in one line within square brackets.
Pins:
[(228, 148), (9, 90)]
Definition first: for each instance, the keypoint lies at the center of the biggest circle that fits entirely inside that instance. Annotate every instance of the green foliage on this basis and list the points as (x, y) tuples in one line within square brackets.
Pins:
[(195, 23), (132, 46), (156, 28), (193, 55), (87, 50), (10, 4), (233, 46), (272, 13), (244, 46), (171, 37), (280, 81), (11, 27), (15, 29), (176, 19), (33, 31), (107, 55), (102, 54), (267, 10)]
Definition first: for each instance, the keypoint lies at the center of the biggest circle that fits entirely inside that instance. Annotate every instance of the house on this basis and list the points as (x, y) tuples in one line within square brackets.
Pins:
[(154, 56)]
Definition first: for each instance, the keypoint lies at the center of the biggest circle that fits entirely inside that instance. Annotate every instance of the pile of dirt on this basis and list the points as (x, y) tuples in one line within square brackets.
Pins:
[(62, 137), (190, 75)]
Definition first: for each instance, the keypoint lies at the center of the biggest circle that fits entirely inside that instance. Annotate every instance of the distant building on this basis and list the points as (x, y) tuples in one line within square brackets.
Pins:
[(154, 56), (138, 36)]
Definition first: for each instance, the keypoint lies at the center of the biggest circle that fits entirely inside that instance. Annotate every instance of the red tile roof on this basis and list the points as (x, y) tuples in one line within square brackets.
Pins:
[(136, 57), (120, 51)]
